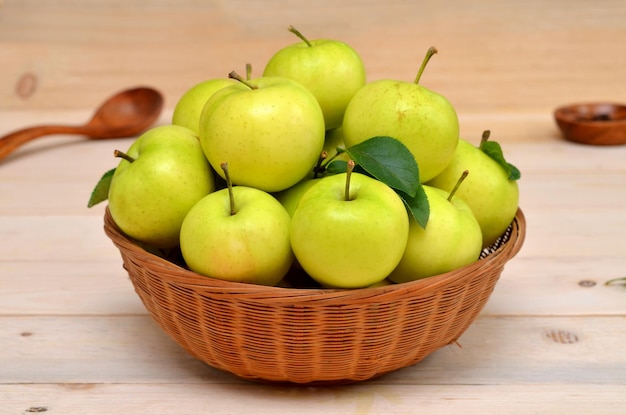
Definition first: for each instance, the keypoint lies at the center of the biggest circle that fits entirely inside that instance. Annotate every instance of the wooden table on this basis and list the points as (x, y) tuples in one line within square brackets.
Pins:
[(75, 338)]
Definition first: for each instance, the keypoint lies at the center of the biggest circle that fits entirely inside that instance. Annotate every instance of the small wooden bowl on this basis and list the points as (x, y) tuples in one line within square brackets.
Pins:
[(593, 123)]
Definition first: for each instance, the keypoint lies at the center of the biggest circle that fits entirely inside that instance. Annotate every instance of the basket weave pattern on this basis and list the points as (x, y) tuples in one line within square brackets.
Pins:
[(312, 336)]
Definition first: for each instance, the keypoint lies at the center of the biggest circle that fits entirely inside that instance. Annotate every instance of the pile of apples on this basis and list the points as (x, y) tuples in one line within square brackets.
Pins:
[(310, 168)]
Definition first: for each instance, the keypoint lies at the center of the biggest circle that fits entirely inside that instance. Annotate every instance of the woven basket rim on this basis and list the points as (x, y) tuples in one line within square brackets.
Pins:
[(181, 276)]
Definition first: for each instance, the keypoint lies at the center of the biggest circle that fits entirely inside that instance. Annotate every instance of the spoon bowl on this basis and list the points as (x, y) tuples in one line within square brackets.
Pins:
[(124, 114)]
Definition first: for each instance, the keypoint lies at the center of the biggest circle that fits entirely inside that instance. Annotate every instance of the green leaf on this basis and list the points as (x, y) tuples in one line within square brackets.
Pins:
[(494, 150), (418, 206), (341, 166), (388, 160), (100, 193), (336, 167)]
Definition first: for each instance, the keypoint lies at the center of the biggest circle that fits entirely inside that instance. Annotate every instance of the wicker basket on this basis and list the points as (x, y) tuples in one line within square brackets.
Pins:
[(312, 336)]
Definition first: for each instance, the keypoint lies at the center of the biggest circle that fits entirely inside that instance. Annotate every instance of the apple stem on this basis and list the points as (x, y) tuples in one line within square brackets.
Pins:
[(429, 54), (318, 167), (248, 71), (300, 35), (121, 154), (229, 184), (485, 136), (456, 186), (349, 169), (236, 76)]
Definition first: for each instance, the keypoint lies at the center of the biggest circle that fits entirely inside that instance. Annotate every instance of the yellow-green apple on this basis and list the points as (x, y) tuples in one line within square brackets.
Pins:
[(488, 190), (159, 178), (333, 141), (349, 230), (332, 70), (189, 106), (290, 198), (269, 129), (451, 239), (424, 120), (239, 234)]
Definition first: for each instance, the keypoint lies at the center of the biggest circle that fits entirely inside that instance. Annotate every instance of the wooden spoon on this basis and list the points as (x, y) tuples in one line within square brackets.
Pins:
[(125, 114)]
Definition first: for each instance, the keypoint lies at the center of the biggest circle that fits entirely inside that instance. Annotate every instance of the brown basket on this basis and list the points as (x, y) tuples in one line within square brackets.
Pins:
[(312, 336)]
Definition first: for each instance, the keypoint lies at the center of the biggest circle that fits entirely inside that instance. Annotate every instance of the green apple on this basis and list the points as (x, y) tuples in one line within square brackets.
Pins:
[(488, 191), (189, 107), (349, 231), (269, 129), (332, 70), (290, 198), (451, 239), (384, 283), (333, 141), (425, 121), (239, 234), (159, 178)]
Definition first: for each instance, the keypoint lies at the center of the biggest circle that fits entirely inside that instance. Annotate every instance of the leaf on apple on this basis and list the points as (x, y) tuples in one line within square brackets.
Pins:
[(337, 166), (341, 166), (418, 206), (100, 193), (389, 161), (494, 150)]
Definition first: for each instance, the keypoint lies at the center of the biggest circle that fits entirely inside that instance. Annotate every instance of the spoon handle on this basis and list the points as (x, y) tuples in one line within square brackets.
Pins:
[(12, 141)]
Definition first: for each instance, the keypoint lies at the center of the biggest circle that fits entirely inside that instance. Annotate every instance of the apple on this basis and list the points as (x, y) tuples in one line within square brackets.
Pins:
[(238, 234), (423, 120), (384, 283), (269, 129), (333, 141), (290, 198), (450, 240), (189, 106), (332, 70), (349, 230), (488, 190), (158, 179)]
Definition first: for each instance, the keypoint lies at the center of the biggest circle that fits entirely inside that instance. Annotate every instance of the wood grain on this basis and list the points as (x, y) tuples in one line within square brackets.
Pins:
[(132, 349), (506, 56), (126, 363), (78, 399)]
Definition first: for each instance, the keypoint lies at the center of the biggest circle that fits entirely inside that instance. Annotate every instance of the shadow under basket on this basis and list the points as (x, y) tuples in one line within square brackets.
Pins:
[(313, 336)]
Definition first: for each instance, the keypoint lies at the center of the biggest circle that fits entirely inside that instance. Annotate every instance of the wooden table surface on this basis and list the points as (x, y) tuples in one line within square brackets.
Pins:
[(74, 336)]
